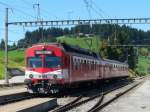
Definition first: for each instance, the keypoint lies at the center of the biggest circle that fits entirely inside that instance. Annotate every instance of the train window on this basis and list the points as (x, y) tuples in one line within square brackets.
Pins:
[(114, 66), (34, 62), (75, 60), (92, 65), (74, 64), (77, 64), (52, 62), (79, 61)]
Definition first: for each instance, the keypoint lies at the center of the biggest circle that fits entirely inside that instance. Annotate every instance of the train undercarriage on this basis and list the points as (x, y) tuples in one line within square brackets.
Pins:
[(43, 87)]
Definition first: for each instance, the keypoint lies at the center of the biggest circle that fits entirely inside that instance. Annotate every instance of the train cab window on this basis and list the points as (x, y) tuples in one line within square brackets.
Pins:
[(52, 62), (34, 62)]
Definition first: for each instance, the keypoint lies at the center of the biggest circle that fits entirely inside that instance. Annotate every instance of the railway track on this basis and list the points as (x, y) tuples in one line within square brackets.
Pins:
[(25, 102), (16, 97), (98, 106), (80, 100)]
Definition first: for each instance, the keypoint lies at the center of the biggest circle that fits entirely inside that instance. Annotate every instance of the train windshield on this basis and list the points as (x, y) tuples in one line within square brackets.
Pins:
[(52, 62), (35, 62)]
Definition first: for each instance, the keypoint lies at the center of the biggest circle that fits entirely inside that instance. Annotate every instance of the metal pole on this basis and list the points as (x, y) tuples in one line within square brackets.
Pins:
[(127, 55), (6, 47)]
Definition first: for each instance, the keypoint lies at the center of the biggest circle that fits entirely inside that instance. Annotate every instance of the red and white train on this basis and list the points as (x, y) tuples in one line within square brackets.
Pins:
[(51, 67)]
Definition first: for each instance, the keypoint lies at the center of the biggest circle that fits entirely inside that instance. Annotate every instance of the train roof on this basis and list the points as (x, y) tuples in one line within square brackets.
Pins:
[(77, 49), (72, 48), (114, 61)]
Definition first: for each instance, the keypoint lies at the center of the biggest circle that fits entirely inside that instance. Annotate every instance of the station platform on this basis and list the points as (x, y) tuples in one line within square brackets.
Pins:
[(30, 105), (138, 100), (16, 85), (12, 90), (14, 80)]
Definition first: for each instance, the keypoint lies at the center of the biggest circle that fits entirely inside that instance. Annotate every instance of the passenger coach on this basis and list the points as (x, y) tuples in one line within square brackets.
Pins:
[(53, 67)]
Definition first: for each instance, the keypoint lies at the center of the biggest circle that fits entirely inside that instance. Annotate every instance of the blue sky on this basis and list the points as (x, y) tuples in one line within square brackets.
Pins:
[(22, 10)]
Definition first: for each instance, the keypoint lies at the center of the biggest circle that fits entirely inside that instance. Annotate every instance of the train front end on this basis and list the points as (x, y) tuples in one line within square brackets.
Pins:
[(44, 69)]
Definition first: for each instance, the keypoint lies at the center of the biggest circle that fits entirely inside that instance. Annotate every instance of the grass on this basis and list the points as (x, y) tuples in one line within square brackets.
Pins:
[(15, 60), (143, 65)]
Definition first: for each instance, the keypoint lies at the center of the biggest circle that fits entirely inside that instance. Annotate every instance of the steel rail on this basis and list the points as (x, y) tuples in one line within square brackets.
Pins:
[(69, 104), (100, 107), (73, 105), (16, 99)]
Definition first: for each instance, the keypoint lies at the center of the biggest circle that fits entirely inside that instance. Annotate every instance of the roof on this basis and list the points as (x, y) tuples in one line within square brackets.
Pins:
[(114, 61), (76, 49)]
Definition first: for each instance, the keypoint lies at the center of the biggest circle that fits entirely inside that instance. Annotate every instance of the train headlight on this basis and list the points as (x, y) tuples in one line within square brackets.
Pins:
[(31, 76), (55, 76)]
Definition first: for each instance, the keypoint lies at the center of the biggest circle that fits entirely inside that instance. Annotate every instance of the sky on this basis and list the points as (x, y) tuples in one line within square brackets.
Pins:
[(22, 10)]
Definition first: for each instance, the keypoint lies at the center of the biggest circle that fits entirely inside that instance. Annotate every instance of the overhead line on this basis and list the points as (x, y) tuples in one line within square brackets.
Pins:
[(49, 13), (22, 12), (2, 3), (100, 10), (42, 10), (82, 22)]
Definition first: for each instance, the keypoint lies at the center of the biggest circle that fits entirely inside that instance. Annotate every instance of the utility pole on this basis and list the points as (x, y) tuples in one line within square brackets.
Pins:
[(38, 11), (127, 54), (6, 47), (39, 17)]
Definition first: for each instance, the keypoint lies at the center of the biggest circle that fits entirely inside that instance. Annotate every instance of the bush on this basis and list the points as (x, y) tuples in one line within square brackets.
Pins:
[(140, 73)]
